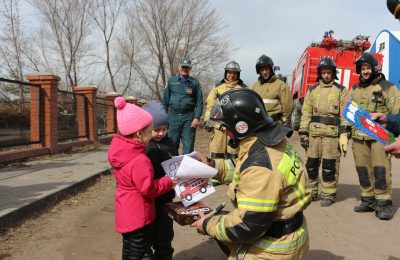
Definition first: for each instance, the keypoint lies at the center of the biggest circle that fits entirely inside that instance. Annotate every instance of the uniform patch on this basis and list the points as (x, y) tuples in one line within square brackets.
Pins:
[(241, 127), (189, 91), (225, 100), (290, 164)]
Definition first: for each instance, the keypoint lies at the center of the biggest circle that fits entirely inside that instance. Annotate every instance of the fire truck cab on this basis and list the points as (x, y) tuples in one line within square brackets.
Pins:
[(344, 53)]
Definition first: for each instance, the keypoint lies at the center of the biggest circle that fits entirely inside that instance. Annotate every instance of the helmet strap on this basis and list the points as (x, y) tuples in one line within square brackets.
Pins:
[(233, 143)]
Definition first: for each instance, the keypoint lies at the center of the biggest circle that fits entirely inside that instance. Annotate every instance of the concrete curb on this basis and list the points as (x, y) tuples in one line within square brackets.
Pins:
[(39, 206)]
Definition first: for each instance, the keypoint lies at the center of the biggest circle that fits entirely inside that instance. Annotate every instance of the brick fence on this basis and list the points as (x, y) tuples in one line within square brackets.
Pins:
[(45, 130)]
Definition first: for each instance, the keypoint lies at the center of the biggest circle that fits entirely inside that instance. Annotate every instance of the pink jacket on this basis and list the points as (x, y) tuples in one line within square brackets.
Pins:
[(136, 190)]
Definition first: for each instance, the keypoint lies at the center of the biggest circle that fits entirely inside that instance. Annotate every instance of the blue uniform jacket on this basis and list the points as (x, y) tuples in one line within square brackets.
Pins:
[(183, 95), (393, 123)]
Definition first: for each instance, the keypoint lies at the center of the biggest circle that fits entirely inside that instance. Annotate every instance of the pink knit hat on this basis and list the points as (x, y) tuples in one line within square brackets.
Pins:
[(131, 118)]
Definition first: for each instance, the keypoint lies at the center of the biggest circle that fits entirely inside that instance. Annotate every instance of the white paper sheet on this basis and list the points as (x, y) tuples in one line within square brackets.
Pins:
[(194, 177), (187, 167)]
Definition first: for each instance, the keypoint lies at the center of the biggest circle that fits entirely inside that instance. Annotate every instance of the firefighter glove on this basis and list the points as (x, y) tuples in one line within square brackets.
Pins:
[(286, 122), (207, 127), (304, 141), (343, 143)]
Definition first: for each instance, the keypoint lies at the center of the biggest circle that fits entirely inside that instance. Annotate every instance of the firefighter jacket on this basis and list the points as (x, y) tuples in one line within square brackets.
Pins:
[(217, 91), (278, 99), (379, 96), (270, 185), (322, 108), (183, 95)]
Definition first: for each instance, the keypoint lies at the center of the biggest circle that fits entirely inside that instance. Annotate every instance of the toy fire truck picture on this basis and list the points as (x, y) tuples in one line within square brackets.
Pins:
[(189, 188)]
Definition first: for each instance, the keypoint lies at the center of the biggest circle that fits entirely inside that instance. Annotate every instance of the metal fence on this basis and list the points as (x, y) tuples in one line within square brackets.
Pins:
[(104, 105), (15, 114), (70, 106)]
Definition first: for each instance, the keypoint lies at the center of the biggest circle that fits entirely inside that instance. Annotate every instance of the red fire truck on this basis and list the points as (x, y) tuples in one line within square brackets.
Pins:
[(191, 187), (343, 52)]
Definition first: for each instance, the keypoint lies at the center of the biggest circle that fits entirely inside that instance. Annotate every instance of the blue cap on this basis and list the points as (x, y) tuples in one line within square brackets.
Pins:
[(157, 111)]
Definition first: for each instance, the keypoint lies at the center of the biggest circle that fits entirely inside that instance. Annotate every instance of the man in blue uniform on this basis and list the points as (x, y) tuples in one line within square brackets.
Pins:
[(183, 100)]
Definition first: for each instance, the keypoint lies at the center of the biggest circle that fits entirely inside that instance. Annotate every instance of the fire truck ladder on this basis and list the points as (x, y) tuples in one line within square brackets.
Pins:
[(312, 72)]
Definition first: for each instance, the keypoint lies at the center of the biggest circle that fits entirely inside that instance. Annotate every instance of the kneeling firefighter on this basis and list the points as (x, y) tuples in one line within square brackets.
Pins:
[(269, 189)]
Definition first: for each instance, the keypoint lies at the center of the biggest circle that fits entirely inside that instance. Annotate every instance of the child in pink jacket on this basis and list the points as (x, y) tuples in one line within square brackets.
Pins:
[(136, 190)]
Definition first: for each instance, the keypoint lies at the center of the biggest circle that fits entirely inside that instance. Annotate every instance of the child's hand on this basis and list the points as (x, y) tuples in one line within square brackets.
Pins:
[(174, 181)]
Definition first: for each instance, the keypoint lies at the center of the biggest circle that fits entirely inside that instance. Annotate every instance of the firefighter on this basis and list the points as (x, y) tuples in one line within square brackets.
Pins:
[(183, 100), (394, 7), (219, 148), (269, 189), (375, 94), (276, 95), (323, 133)]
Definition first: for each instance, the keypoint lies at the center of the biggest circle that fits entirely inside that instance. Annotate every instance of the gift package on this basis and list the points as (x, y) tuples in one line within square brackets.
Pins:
[(186, 215)]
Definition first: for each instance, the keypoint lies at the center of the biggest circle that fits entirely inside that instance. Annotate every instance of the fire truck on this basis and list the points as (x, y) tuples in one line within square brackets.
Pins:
[(344, 52), (193, 186)]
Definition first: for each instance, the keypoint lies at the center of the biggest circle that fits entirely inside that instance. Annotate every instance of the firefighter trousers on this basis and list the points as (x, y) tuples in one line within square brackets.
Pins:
[(373, 168), (219, 148), (323, 150)]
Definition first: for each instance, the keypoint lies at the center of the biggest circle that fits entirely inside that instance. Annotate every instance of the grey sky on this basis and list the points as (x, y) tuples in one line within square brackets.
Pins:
[(283, 29)]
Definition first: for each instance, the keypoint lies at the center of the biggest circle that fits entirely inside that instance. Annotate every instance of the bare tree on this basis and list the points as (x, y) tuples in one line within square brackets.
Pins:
[(167, 30), (15, 49), (69, 24), (106, 15)]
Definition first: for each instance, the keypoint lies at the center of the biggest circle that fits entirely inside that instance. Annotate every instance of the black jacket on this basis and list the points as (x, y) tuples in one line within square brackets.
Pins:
[(157, 153)]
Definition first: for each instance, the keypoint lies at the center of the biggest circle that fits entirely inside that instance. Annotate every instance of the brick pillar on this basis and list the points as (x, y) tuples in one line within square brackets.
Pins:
[(131, 100), (90, 93), (35, 119), (48, 107), (111, 113)]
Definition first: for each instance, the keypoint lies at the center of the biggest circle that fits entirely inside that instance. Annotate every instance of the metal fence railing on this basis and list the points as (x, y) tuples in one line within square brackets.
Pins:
[(104, 105), (72, 123), (15, 114)]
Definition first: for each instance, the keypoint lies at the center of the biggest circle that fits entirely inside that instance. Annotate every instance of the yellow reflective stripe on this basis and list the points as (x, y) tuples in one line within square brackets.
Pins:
[(367, 194), (329, 190), (300, 192), (270, 101), (273, 246), (314, 95), (257, 204), (289, 166), (307, 108), (383, 197), (333, 96), (371, 108), (236, 178), (221, 234), (230, 171)]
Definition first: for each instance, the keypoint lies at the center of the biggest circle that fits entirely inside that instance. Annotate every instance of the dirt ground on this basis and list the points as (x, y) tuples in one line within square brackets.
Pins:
[(81, 227)]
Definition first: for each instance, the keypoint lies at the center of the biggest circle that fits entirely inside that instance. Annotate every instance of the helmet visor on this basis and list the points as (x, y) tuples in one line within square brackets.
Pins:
[(216, 115)]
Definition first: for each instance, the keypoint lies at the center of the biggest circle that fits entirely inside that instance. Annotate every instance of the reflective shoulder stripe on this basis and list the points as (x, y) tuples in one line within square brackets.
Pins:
[(273, 246), (257, 204), (289, 166), (270, 101)]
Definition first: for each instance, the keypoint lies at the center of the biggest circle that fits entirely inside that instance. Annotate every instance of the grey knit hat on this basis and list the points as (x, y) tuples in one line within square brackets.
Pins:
[(157, 111)]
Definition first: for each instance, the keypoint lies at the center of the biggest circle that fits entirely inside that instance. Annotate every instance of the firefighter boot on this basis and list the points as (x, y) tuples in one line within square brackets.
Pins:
[(326, 202), (367, 205), (384, 209)]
